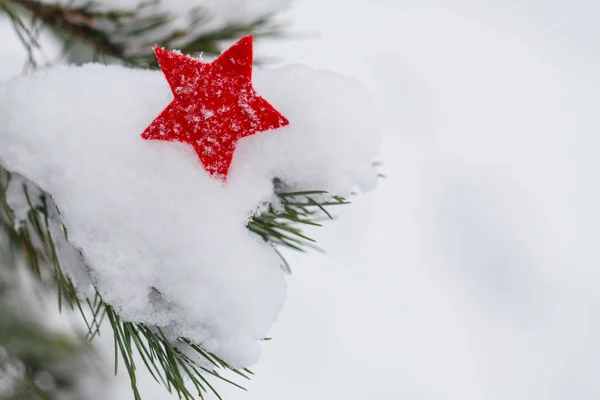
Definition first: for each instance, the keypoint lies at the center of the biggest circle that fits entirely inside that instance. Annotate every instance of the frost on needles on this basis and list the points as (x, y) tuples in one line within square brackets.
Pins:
[(165, 244)]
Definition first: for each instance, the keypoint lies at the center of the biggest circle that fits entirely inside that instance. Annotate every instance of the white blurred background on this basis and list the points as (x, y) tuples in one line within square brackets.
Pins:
[(471, 272)]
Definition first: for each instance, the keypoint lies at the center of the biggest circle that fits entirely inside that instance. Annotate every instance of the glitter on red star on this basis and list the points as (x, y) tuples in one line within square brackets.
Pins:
[(214, 105)]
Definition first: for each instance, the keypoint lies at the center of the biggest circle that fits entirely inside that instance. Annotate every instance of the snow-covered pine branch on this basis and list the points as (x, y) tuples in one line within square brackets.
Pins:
[(166, 246)]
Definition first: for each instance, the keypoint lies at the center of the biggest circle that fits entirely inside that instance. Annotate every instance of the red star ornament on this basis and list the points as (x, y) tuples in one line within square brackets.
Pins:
[(214, 105)]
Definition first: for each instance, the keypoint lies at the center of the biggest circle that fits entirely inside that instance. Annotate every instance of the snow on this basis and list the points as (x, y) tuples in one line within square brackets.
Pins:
[(184, 14), (220, 13), (145, 214)]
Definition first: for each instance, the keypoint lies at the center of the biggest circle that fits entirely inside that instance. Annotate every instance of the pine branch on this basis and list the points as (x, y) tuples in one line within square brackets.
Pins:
[(279, 224), (35, 362), (33, 238), (127, 36), (77, 23), (32, 351)]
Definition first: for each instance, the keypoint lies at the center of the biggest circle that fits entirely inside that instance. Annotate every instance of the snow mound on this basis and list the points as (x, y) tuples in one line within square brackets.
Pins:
[(146, 215)]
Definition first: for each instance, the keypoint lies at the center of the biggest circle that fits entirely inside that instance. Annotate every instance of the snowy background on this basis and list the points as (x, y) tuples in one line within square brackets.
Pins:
[(471, 271)]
